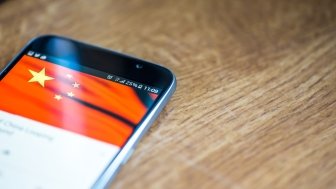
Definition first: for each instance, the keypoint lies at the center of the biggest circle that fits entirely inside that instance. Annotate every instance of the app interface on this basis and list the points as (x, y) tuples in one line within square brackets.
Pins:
[(60, 127)]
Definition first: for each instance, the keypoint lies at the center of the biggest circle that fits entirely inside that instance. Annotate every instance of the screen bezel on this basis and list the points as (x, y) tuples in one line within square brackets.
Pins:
[(114, 63), (97, 58)]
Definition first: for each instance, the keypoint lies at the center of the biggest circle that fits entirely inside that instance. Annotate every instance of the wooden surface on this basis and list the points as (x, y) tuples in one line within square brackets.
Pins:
[(256, 96)]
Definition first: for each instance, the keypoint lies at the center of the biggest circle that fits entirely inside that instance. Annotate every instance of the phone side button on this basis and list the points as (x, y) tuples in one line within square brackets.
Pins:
[(129, 154)]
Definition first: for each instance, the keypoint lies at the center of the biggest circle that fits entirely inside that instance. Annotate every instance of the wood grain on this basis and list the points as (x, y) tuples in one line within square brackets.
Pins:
[(256, 96)]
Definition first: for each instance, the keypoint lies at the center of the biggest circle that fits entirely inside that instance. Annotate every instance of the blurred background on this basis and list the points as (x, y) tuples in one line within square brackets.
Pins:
[(255, 102)]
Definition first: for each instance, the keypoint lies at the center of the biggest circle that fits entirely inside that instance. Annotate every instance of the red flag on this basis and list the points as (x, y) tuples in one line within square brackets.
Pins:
[(71, 100)]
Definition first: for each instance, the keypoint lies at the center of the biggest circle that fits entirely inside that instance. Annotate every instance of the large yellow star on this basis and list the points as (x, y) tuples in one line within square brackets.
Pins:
[(39, 77)]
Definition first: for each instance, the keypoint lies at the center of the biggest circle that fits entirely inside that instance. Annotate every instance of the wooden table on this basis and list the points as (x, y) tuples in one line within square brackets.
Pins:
[(256, 96)]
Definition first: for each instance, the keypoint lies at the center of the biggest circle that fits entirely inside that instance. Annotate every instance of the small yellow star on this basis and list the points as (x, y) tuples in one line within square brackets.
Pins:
[(58, 97), (39, 77), (71, 94), (75, 85), (69, 76)]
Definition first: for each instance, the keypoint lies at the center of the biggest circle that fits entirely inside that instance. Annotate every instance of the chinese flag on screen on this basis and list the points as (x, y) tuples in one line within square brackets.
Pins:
[(71, 100)]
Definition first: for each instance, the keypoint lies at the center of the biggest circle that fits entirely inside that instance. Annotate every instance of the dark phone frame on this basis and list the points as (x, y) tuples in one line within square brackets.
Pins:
[(111, 62), (97, 58)]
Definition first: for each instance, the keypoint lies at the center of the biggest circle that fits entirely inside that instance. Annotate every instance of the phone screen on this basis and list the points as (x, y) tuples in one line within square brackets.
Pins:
[(62, 127)]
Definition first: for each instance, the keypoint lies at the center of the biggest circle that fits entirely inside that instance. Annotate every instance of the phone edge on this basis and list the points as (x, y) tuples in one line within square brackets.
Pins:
[(109, 174)]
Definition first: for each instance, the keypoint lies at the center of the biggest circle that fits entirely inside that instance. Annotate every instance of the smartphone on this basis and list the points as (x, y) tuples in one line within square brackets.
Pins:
[(71, 113)]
